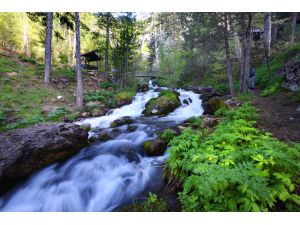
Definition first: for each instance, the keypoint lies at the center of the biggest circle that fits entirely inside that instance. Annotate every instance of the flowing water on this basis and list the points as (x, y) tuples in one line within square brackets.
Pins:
[(107, 175)]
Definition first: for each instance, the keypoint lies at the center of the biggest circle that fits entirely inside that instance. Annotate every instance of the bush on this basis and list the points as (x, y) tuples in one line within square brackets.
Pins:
[(27, 59), (236, 168)]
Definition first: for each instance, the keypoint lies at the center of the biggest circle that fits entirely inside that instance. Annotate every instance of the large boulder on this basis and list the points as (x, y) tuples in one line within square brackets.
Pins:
[(24, 151), (166, 102), (143, 87), (211, 106), (206, 93), (155, 147), (291, 76), (122, 121)]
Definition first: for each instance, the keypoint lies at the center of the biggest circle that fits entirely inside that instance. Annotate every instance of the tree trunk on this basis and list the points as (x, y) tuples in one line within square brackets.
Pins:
[(267, 40), (243, 53), (156, 46), (48, 47), (25, 37), (79, 92), (236, 40), (107, 42), (246, 51), (293, 27), (229, 69)]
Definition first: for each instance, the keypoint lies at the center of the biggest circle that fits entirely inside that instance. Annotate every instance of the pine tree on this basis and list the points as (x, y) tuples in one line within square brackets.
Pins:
[(79, 92)]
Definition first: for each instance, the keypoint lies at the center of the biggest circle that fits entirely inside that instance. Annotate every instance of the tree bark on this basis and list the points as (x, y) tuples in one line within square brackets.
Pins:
[(48, 47), (79, 92), (236, 40), (293, 27), (246, 51), (243, 53), (228, 60), (267, 40), (107, 42), (25, 37)]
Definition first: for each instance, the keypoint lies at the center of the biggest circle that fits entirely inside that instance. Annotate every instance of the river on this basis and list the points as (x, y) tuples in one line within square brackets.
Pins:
[(107, 175)]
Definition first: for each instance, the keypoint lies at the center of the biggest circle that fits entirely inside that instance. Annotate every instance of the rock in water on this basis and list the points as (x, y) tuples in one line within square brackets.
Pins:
[(143, 87), (122, 121), (166, 102), (155, 148), (23, 151)]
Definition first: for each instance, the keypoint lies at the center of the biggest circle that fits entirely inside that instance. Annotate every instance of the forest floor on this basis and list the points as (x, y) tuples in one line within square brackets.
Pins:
[(278, 116)]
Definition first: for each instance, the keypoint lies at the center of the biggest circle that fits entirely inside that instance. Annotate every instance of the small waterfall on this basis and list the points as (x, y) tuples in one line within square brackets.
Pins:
[(104, 176)]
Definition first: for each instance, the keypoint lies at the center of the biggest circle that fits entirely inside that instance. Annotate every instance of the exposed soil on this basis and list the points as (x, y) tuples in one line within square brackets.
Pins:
[(278, 116)]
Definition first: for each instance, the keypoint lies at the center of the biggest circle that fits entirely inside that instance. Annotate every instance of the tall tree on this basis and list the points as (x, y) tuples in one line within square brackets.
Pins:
[(48, 47), (108, 15), (293, 27), (247, 23), (228, 60), (267, 40), (79, 92), (25, 37)]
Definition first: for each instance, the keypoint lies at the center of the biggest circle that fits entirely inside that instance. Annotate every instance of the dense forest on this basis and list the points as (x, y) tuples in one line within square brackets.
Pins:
[(182, 111)]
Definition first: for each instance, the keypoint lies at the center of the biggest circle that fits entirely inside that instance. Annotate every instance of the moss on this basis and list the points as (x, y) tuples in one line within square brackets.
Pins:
[(166, 102), (125, 95), (147, 146)]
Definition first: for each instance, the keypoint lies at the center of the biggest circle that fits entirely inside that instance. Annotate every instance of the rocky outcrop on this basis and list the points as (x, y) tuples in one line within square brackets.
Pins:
[(23, 151), (166, 102), (291, 76), (142, 88), (155, 147), (122, 121), (232, 103), (212, 105), (211, 98), (209, 121)]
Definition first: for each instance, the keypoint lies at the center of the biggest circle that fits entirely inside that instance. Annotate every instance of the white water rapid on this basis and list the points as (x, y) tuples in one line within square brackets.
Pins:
[(107, 175)]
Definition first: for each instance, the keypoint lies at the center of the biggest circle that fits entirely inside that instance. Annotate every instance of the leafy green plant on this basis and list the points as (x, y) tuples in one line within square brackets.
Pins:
[(236, 168), (152, 204), (168, 135), (24, 58), (107, 84), (57, 114)]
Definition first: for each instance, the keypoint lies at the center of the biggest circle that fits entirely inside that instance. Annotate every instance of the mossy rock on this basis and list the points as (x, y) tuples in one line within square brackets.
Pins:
[(166, 102), (122, 121), (155, 148), (213, 105)]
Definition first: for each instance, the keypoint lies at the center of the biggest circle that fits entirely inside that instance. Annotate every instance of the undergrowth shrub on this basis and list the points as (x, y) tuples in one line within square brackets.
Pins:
[(168, 135), (152, 204), (236, 168)]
